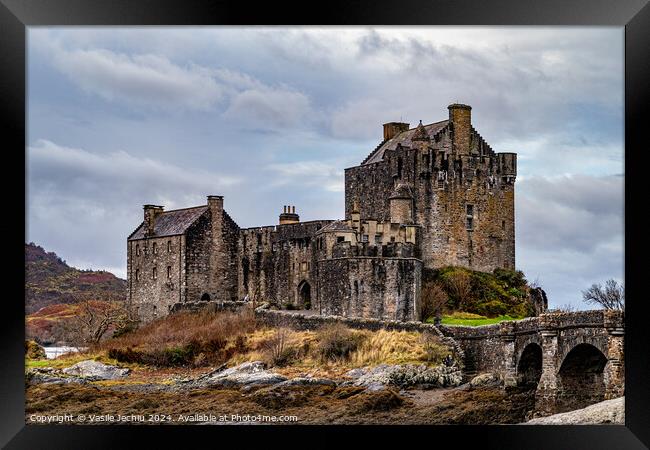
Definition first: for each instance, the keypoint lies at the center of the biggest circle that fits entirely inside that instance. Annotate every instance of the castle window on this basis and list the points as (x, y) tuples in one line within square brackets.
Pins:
[(377, 239), (137, 274), (469, 217), (169, 272), (364, 238), (155, 249), (503, 224), (340, 238), (169, 246), (154, 273), (137, 249), (399, 168)]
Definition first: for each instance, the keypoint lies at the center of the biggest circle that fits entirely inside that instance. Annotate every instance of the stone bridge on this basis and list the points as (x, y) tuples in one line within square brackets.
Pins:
[(573, 359)]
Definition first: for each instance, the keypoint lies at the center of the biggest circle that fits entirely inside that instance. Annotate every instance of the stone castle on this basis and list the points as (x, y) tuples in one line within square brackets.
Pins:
[(425, 197)]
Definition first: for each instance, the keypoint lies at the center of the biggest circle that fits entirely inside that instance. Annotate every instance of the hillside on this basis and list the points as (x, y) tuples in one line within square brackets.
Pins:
[(49, 281)]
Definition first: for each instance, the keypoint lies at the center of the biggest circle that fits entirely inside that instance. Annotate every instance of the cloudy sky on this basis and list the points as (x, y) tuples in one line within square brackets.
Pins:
[(120, 117)]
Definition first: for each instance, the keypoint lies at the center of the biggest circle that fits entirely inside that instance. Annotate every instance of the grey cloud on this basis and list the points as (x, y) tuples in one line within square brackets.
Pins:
[(269, 108), (570, 232), (324, 175), (142, 80), (86, 203)]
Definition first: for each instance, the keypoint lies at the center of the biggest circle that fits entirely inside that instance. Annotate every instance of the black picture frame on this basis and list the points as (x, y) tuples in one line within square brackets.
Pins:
[(16, 15)]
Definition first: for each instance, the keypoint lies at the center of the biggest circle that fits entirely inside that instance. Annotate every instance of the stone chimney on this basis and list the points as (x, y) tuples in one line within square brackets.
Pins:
[(392, 129), (289, 215), (215, 202), (461, 118), (151, 212)]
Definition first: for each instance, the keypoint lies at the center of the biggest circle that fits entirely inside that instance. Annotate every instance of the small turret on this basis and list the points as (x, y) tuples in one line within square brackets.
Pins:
[(401, 204)]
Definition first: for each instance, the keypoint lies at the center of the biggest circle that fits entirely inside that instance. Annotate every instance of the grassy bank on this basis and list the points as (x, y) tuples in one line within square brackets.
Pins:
[(472, 320)]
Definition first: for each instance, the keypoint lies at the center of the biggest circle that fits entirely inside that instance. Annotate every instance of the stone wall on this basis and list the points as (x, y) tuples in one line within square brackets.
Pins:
[(383, 288), (277, 262), (152, 294)]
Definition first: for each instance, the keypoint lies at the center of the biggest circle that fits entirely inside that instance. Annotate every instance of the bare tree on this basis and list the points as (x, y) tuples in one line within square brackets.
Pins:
[(94, 319), (612, 296), (567, 307), (460, 286), (432, 300)]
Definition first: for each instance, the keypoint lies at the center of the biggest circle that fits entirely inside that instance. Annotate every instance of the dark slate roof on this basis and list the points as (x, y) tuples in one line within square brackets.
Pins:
[(171, 223), (404, 138), (337, 225)]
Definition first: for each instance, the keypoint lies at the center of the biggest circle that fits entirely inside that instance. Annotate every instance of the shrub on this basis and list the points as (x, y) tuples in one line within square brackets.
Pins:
[(459, 288), (336, 341), (278, 349), (492, 308), (433, 299), (180, 338), (34, 351), (512, 278)]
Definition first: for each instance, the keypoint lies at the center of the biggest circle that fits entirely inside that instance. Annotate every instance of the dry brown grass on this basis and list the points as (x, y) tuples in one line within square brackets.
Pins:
[(182, 328), (398, 347), (184, 339)]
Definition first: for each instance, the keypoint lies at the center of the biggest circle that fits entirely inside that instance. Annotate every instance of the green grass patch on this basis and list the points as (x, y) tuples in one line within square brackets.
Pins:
[(475, 322)]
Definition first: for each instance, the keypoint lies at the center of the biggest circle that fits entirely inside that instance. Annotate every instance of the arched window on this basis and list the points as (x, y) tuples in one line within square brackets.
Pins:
[(154, 273), (155, 249), (169, 246), (137, 249), (137, 274), (169, 272)]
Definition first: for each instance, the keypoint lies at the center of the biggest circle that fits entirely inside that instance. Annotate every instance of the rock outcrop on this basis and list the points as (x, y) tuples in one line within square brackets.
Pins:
[(607, 412), (406, 375), (95, 370)]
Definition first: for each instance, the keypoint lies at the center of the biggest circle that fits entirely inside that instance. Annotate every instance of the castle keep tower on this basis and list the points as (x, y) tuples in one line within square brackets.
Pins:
[(459, 190)]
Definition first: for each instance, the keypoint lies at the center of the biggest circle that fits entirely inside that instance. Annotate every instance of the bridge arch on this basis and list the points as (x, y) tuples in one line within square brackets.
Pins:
[(529, 365), (581, 378)]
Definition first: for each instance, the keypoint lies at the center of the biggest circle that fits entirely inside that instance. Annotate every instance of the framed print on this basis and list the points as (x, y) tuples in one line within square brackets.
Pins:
[(385, 219)]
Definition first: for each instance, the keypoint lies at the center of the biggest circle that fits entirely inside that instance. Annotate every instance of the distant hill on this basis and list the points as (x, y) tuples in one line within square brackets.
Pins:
[(49, 281)]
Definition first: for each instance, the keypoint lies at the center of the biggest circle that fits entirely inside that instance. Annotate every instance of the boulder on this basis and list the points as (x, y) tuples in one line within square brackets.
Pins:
[(246, 374), (485, 379), (405, 376), (607, 412), (95, 370), (49, 375)]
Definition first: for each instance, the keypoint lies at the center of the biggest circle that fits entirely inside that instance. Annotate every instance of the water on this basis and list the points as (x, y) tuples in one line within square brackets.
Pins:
[(53, 352)]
